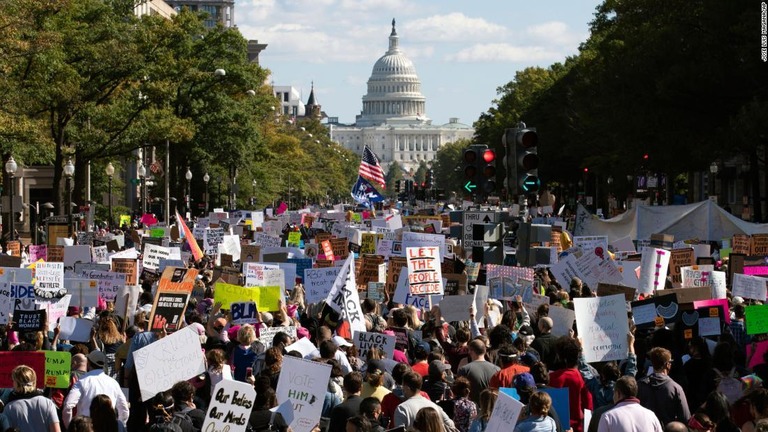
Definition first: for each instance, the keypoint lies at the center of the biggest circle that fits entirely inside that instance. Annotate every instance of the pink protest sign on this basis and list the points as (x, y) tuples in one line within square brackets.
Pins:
[(721, 303), (756, 358)]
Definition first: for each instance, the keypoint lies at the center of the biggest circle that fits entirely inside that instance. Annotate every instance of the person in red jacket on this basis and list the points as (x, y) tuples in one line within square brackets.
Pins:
[(569, 377)]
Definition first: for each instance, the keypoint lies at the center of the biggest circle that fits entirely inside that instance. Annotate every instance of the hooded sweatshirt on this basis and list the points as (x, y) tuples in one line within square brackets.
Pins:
[(660, 394)]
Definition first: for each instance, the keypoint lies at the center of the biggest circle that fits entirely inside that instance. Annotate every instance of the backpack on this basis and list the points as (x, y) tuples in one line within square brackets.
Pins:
[(174, 425), (729, 385)]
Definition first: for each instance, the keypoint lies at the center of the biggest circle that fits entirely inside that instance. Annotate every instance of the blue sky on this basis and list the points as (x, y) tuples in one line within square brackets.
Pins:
[(462, 50)]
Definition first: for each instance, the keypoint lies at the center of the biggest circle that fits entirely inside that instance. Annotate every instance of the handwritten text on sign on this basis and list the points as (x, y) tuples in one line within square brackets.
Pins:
[(230, 408), (303, 383), (602, 324), (424, 273)]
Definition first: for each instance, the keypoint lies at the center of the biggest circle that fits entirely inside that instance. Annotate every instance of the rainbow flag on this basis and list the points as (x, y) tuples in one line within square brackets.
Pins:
[(197, 253)]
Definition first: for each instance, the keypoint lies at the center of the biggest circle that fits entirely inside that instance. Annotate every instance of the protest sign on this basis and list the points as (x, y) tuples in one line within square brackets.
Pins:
[(75, 329), (230, 407), (696, 275), (85, 292), (505, 414), (563, 320), (456, 308), (718, 303), (54, 309), (680, 258), (23, 297), (127, 266), (565, 270), (752, 287), (37, 252), (163, 363), (365, 341), (394, 273), (266, 298), (244, 313), (76, 254), (57, 367), (49, 278), (167, 310), (709, 326), (689, 295), (29, 320), (108, 283), (609, 289), (756, 317), (603, 327), (644, 312), (344, 298), (6, 303), (303, 346), (100, 254), (267, 334), (304, 383), (424, 273), (755, 353), (318, 283), (153, 254), (11, 359), (125, 302), (402, 294), (560, 403), (422, 240), (653, 270), (249, 253), (375, 291)]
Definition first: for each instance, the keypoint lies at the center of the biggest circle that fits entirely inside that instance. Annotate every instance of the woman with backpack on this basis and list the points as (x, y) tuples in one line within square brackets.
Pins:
[(163, 418)]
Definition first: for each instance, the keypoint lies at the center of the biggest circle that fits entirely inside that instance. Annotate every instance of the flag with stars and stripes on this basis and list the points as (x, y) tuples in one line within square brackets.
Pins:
[(371, 170)]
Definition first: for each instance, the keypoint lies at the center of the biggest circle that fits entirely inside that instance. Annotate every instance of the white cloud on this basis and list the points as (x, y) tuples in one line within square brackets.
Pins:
[(453, 27), (555, 33), (502, 52)]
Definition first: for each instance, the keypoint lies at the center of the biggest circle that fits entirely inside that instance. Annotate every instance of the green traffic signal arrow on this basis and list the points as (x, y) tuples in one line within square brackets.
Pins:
[(469, 186)]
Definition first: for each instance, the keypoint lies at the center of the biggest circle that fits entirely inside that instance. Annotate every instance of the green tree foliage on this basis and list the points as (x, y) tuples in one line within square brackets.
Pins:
[(448, 167), (394, 174), (421, 173)]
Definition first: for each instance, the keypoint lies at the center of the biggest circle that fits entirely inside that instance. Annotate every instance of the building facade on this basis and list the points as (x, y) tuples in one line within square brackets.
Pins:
[(393, 121)]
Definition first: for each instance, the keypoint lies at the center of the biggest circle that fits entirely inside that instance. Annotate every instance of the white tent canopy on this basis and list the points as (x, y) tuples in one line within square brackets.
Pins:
[(703, 220)]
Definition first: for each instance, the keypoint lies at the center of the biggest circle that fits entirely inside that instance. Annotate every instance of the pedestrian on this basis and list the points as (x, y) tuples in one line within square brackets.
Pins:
[(103, 415), (537, 420), (485, 406), (628, 415), (27, 409), (92, 384)]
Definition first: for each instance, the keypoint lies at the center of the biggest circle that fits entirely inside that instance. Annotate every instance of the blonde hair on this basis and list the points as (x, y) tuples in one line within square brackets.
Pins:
[(24, 379), (246, 335)]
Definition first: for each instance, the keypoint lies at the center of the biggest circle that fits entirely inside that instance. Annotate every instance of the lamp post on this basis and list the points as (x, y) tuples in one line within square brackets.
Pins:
[(188, 176), (713, 171), (206, 179), (110, 171), (10, 168), (69, 171), (142, 171), (255, 184)]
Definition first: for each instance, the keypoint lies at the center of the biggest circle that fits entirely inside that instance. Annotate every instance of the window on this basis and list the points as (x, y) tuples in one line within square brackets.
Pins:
[(285, 97)]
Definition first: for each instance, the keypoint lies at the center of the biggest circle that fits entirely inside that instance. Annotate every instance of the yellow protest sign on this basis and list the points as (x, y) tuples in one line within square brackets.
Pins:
[(294, 238), (125, 220), (57, 367), (266, 298)]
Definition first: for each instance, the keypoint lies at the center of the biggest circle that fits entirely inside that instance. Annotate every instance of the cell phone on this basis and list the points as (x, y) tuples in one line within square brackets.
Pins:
[(248, 371)]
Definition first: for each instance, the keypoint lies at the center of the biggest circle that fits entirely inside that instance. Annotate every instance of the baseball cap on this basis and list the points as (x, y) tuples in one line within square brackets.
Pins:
[(529, 358), (737, 301), (423, 346), (436, 367), (525, 330), (97, 358), (340, 341), (524, 381)]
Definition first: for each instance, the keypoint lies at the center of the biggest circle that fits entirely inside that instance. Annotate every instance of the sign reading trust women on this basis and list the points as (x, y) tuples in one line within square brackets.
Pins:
[(603, 327)]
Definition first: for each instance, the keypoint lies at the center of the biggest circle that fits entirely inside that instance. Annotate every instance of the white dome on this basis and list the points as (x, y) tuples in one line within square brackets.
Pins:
[(394, 90)]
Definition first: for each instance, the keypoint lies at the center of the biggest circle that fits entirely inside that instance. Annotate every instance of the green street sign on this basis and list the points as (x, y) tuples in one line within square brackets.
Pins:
[(469, 186)]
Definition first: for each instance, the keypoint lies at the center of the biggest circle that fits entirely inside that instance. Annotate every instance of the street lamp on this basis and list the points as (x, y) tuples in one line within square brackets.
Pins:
[(188, 176), (69, 171), (713, 171), (255, 184), (206, 179), (110, 171), (142, 171), (10, 168)]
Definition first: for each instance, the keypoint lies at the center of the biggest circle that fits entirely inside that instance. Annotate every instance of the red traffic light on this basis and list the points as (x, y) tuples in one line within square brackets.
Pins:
[(645, 156), (586, 170), (489, 156)]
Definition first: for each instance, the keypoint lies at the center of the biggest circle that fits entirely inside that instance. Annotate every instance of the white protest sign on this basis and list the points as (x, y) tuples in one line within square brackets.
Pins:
[(212, 238), (318, 283), (230, 407), (414, 239), (562, 319), (163, 363), (653, 270), (592, 245), (109, 283), (752, 287), (505, 413), (344, 298), (403, 294), (565, 270), (424, 272), (456, 308), (304, 383), (49, 277), (303, 346), (76, 254), (100, 254), (153, 254), (266, 240), (267, 334), (126, 300), (244, 313), (365, 341), (717, 281), (85, 292), (6, 303), (603, 327), (75, 329), (697, 275)]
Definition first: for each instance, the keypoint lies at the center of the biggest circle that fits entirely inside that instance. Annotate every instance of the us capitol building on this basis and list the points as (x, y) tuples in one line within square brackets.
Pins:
[(394, 122)]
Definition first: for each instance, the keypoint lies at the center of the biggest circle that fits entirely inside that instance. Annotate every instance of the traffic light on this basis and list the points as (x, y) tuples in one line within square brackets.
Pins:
[(471, 157), (398, 186), (489, 171), (430, 179), (527, 140)]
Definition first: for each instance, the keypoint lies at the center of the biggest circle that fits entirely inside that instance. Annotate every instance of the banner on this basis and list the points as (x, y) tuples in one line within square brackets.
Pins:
[(344, 299), (163, 363), (230, 407), (424, 272), (603, 327), (303, 383)]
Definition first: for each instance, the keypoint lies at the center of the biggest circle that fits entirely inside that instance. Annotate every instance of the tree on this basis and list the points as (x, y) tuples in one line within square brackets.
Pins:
[(421, 173), (394, 174), (447, 166)]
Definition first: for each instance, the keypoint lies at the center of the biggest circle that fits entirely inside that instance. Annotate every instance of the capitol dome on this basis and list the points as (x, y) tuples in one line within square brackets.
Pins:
[(394, 90)]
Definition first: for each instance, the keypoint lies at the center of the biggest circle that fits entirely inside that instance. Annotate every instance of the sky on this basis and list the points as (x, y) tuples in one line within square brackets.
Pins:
[(462, 50)]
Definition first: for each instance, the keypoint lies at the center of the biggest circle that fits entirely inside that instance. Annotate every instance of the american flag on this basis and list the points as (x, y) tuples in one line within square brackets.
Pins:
[(370, 168)]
